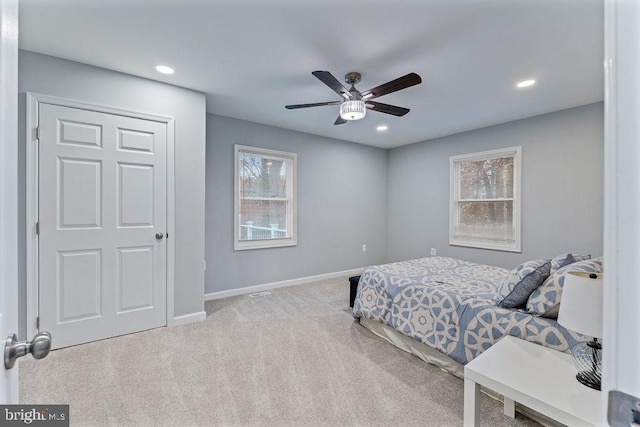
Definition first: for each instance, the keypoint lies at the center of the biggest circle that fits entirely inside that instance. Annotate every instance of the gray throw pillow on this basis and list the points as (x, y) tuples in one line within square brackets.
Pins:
[(521, 282)]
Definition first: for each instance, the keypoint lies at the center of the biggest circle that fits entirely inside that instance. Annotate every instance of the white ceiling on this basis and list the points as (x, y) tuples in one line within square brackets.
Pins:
[(252, 57)]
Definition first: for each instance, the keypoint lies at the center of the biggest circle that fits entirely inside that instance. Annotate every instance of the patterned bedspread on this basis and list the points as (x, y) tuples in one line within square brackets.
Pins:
[(448, 304)]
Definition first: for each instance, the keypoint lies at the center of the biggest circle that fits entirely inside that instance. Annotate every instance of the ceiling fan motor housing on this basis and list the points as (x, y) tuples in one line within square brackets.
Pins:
[(353, 78)]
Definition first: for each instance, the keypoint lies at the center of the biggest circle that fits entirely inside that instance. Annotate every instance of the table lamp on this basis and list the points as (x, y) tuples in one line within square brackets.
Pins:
[(581, 311)]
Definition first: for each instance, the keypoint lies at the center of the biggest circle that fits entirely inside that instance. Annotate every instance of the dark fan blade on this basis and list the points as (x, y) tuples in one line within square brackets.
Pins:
[(400, 83), (386, 108), (340, 121), (328, 79), (317, 104)]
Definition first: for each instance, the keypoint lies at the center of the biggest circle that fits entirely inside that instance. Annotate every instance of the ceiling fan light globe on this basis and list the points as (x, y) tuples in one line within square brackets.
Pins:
[(353, 110)]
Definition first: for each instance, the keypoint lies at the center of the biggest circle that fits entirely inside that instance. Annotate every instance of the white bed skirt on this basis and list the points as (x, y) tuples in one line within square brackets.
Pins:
[(418, 349)]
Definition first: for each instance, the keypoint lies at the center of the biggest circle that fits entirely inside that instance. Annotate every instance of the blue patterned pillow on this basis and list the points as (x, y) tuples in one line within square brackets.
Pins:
[(545, 301), (522, 280), (565, 259)]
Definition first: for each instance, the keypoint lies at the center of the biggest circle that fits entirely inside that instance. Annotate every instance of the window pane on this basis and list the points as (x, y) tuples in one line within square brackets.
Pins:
[(486, 220), (262, 177), (486, 179), (262, 219)]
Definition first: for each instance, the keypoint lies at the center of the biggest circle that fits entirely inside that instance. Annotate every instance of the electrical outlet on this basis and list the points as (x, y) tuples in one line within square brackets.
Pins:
[(364, 248), (433, 251)]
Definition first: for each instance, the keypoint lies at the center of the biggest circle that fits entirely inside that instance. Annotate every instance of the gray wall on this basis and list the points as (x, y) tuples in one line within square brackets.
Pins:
[(56, 77), (562, 188), (342, 190), (395, 201)]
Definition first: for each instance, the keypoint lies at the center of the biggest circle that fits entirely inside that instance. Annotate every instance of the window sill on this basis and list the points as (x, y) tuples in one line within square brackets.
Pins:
[(245, 245), (512, 247)]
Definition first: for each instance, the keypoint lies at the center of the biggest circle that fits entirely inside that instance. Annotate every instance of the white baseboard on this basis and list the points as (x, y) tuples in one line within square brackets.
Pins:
[(188, 318), (275, 285)]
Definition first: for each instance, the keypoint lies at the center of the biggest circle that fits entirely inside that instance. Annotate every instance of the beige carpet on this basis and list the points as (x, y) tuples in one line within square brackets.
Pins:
[(296, 357)]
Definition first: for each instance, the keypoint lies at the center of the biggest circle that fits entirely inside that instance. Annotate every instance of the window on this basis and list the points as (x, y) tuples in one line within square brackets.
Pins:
[(485, 200), (265, 198)]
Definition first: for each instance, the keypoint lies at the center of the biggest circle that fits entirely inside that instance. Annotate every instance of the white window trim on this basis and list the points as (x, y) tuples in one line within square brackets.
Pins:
[(241, 245), (516, 152)]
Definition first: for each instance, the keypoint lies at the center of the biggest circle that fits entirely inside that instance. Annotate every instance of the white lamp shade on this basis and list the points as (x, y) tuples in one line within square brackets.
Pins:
[(581, 304), (353, 110)]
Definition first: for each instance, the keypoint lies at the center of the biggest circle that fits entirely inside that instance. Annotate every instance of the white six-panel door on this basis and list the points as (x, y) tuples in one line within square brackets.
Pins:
[(102, 224)]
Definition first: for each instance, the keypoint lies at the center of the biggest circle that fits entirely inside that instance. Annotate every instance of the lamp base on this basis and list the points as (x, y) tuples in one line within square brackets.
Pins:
[(587, 357), (587, 378)]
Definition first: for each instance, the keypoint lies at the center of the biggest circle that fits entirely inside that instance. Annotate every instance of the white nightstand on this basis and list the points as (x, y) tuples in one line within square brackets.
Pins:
[(535, 376)]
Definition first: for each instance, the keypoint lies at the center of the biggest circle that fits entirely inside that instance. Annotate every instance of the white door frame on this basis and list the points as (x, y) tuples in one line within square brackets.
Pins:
[(621, 293), (33, 100), (9, 188)]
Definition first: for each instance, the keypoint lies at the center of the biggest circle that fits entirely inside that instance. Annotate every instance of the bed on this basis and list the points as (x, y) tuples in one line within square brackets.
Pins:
[(444, 306)]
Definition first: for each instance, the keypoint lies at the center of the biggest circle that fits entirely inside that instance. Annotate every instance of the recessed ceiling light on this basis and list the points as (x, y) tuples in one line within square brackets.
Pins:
[(164, 69), (526, 83), (382, 128)]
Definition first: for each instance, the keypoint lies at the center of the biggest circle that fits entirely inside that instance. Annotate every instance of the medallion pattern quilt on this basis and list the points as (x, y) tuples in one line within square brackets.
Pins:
[(449, 304)]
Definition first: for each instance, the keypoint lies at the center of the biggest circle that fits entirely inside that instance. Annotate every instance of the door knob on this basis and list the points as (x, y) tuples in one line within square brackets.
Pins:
[(14, 349), (159, 236)]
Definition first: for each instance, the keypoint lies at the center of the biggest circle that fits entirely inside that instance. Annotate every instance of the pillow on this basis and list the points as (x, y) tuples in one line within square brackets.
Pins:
[(522, 280), (565, 259), (581, 257), (545, 301)]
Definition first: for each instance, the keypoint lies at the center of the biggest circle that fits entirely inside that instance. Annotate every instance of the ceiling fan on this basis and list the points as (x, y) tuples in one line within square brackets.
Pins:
[(356, 103)]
